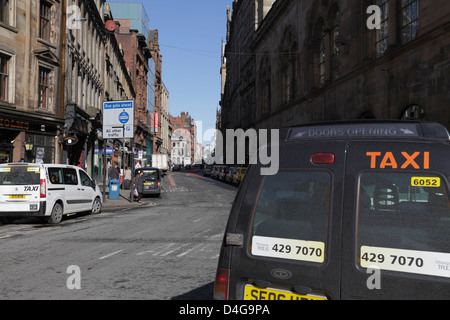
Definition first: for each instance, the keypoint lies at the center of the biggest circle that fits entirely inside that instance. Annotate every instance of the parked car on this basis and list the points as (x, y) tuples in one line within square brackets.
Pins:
[(237, 178), (223, 172), (215, 172), (207, 169), (176, 167), (354, 207), (231, 173), (152, 180), (46, 191)]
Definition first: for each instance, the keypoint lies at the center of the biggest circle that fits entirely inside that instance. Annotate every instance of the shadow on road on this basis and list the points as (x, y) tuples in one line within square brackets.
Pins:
[(203, 293)]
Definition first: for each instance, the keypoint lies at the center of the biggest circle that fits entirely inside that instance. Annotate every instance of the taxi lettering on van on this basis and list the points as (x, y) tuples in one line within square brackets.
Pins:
[(417, 160)]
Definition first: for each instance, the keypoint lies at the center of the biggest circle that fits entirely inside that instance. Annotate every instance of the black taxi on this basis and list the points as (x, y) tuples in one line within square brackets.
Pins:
[(357, 210), (152, 180)]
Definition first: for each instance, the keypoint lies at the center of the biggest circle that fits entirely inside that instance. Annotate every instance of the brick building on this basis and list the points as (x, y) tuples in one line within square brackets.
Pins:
[(136, 56), (290, 62)]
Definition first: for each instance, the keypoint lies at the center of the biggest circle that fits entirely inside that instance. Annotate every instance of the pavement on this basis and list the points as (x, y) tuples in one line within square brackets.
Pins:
[(124, 201)]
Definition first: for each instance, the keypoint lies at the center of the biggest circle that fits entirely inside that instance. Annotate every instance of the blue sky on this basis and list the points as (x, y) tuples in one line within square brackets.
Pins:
[(190, 34)]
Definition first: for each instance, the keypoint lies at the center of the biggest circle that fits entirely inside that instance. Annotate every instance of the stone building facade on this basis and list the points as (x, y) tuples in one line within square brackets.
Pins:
[(30, 80), (164, 119), (290, 62), (95, 71)]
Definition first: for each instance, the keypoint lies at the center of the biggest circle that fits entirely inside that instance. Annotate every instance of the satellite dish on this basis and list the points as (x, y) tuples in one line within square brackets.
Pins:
[(110, 25)]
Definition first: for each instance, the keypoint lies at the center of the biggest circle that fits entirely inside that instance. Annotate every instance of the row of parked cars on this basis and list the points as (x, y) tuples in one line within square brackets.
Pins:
[(233, 175)]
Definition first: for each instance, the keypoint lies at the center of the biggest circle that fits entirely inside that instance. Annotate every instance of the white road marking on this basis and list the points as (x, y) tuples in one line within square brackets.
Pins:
[(110, 255), (190, 250)]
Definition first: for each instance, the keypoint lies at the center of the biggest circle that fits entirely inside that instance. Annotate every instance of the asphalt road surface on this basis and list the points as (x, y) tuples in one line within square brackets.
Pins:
[(167, 251)]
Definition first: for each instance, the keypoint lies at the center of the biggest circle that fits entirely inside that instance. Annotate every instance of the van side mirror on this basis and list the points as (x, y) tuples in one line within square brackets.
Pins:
[(93, 185)]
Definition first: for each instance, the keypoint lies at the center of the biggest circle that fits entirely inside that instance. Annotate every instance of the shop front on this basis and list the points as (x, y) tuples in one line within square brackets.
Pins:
[(29, 139)]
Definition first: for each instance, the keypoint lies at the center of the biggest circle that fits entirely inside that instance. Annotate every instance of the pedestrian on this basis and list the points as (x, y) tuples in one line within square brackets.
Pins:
[(139, 185), (113, 172)]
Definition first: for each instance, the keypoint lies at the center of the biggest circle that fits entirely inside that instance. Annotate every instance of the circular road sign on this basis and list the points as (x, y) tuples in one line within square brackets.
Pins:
[(124, 117)]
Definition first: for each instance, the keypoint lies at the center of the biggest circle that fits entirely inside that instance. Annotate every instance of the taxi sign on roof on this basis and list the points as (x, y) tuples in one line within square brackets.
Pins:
[(393, 130)]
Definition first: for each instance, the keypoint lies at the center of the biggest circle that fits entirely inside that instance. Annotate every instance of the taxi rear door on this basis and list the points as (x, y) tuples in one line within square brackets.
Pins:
[(396, 230), (290, 226)]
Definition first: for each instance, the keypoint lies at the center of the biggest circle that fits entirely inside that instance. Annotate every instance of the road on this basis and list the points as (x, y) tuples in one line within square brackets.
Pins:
[(167, 251)]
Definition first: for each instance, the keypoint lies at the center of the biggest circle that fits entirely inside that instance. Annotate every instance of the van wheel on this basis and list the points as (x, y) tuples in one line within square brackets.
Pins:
[(57, 214), (97, 206)]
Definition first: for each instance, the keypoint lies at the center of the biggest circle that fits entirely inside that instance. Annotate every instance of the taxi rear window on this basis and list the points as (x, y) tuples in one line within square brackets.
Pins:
[(19, 175), (404, 222), (150, 174), (291, 216)]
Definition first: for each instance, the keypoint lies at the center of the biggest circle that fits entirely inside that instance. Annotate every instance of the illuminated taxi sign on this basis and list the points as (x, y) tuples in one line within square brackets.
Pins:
[(355, 130)]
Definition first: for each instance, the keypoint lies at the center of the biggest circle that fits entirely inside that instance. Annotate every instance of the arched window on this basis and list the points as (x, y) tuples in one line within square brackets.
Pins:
[(319, 53), (335, 41), (382, 35), (265, 87), (288, 66)]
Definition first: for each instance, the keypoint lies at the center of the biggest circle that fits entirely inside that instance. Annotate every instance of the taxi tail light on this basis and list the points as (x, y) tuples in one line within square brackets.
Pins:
[(221, 284), (43, 188), (323, 158), (159, 184)]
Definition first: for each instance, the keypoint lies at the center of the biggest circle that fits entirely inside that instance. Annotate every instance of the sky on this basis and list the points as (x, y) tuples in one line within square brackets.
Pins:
[(190, 37)]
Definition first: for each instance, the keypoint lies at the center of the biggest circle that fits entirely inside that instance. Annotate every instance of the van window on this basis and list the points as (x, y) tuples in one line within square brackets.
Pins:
[(291, 216), (406, 216), (19, 175), (70, 176), (55, 175), (150, 174), (405, 210), (85, 179)]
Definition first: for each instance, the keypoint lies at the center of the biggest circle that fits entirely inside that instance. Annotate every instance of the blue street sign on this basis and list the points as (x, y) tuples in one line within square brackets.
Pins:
[(124, 117)]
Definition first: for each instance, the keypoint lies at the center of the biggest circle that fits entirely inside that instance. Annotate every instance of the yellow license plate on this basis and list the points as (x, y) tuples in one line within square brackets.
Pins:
[(253, 293), (148, 183), (17, 196)]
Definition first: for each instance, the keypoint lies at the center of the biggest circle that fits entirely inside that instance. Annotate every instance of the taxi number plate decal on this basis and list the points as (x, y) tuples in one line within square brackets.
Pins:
[(310, 251), (410, 261), (253, 293), (431, 182)]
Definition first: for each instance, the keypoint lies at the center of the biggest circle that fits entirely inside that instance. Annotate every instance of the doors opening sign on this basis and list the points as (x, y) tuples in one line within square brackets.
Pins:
[(118, 120)]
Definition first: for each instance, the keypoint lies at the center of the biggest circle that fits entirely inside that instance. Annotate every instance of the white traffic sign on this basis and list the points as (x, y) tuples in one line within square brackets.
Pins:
[(118, 120)]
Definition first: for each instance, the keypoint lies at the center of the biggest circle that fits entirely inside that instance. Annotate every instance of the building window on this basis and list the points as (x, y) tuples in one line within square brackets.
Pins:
[(409, 20), (4, 77), (44, 81), (322, 58), (265, 87), (4, 11), (335, 44), (288, 67), (382, 35), (45, 15)]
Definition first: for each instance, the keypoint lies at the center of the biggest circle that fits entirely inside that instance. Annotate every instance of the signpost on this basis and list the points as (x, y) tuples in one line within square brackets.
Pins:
[(118, 120), (118, 123)]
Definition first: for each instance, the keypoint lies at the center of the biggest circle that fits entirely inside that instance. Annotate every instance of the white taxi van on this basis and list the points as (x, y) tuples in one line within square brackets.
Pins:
[(46, 191), (356, 211)]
